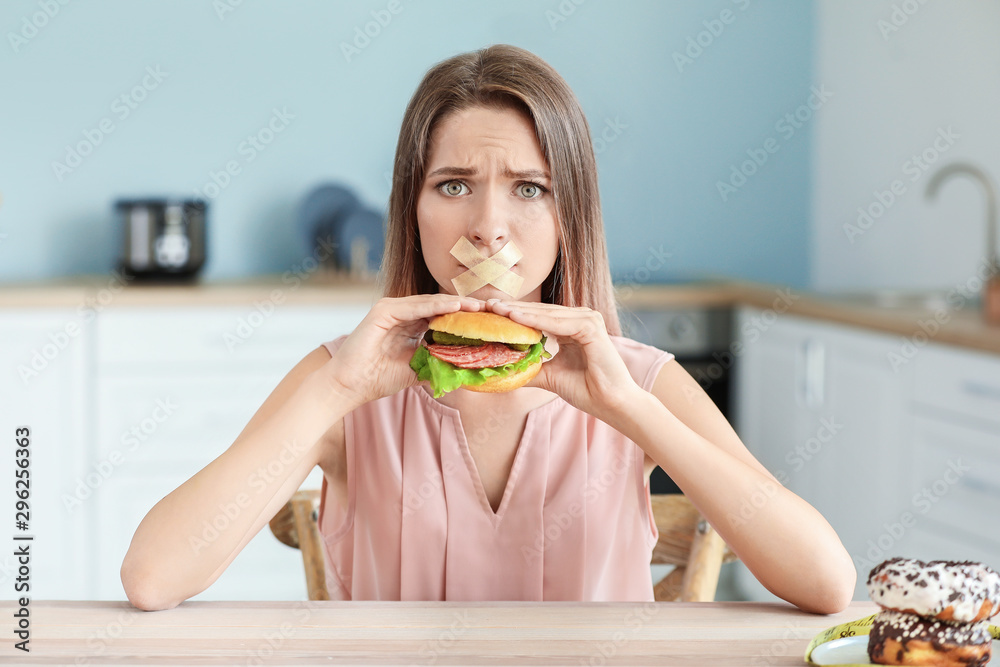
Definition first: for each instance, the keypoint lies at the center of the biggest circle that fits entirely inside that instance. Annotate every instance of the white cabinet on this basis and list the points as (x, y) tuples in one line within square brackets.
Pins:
[(134, 404), (44, 362), (909, 465), (769, 410), (174, 388), (954, 469), (821, 406)]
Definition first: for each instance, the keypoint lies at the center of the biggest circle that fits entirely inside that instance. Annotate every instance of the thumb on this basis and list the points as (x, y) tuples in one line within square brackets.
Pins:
[(542, 379)]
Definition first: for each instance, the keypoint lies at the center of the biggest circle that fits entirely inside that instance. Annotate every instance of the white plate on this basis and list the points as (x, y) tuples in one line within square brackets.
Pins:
[(854, 651), (848, 650)]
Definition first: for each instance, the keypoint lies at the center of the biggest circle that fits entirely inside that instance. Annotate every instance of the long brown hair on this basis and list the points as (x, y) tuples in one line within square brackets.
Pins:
[(506, 77)]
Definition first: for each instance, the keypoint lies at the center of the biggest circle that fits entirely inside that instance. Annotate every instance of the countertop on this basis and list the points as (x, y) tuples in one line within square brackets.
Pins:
[(956, 322), (443, 633)]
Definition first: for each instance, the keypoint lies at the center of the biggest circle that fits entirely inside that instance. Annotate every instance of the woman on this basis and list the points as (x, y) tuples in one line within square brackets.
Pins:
[(537, 494)]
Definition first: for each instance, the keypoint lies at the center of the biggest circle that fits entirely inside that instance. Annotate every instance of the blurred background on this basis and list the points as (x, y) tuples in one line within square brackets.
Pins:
[(802, 150), (674, 109)]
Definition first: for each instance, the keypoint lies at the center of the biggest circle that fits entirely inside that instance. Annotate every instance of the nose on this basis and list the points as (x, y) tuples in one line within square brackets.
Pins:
[(489, 228)]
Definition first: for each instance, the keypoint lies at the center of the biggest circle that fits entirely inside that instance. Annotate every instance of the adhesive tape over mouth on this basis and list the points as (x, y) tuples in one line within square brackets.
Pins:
[(485, 270)]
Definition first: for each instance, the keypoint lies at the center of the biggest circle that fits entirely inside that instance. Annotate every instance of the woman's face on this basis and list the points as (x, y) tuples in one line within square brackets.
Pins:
[(487, 179)]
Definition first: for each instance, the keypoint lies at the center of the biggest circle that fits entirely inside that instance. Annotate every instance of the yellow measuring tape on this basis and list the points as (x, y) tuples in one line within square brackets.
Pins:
[(862, 626)]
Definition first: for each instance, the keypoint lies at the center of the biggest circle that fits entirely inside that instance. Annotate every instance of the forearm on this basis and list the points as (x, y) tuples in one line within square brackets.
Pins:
[(784, 541), (190, 536)]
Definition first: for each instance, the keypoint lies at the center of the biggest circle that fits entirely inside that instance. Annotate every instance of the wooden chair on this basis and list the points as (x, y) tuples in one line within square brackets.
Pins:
[(297, 525), (686, 541)]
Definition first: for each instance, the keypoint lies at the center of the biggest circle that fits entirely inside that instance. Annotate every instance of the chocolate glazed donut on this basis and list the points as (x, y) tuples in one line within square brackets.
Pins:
[(905, 639)]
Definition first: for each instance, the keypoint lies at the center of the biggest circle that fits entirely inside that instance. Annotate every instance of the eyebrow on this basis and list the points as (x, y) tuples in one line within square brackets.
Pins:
[(506, 173)]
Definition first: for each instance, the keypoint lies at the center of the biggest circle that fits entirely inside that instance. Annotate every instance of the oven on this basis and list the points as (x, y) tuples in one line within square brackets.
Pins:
[(700, 339)]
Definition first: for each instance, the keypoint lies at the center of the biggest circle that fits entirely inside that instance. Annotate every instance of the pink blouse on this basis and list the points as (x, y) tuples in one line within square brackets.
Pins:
[(575, 522)]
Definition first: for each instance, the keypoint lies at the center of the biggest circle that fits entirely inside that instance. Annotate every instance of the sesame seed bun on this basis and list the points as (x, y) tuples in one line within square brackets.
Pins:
[(486, 326)]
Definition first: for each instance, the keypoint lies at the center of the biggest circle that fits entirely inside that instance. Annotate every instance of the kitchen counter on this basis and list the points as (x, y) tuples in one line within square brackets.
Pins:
[(943, 323), (444, 633), (113, 290), (939, 322)]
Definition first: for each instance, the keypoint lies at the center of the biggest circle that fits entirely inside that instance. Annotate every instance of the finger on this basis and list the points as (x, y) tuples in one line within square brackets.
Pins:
[(446, 303), (506, 307), (423, 307), (472, 305), (541, 379), (502, 305), (413, 330), (582, 326)]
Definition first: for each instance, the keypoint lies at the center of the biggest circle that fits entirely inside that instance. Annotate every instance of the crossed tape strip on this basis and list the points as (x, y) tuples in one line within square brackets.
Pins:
[(485, 270)]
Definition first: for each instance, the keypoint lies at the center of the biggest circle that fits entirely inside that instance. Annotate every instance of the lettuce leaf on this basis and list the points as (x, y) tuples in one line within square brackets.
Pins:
[(445, 377)]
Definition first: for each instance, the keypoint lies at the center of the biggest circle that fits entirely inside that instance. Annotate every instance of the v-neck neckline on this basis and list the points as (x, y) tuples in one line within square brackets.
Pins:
[(477, 479), (495, 517)]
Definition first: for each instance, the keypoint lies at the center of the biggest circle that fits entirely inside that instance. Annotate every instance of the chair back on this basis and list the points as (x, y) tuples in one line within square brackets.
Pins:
[(297, 525), (686, 541)]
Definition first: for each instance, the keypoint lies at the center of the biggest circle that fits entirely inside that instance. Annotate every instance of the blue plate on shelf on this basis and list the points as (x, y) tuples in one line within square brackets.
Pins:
[(322, 215), (363, 229)]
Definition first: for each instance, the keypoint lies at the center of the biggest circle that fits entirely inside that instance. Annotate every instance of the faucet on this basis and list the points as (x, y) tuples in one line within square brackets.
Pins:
[(977, 174)]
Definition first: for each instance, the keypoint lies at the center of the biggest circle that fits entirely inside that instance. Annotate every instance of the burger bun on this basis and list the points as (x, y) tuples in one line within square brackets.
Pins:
[(486, 326), (507, 383)]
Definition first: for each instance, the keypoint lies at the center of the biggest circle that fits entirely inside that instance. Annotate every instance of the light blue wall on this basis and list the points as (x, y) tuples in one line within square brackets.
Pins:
[(680, 131)]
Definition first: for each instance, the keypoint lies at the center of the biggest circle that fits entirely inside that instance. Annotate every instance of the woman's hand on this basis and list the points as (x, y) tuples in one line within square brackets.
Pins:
[(374, 361), (587, 371)]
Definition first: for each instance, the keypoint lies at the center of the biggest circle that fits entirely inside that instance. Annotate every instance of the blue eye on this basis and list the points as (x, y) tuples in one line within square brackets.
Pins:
[(453, 188), (530, 190)]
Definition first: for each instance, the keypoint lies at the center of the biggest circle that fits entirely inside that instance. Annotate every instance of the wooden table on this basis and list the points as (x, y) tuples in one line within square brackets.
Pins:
[(443, 633)]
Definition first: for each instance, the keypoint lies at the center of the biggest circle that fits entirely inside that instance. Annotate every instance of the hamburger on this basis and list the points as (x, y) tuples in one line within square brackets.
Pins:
[(479, 351)]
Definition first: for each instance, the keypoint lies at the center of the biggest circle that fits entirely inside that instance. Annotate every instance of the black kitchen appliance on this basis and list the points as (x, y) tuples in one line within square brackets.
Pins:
[(161, 239), (699, 338)]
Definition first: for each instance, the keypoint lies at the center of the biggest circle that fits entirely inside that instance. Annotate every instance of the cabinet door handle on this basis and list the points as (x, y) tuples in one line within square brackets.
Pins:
[(984, 486), (812, 373), (981, 390)]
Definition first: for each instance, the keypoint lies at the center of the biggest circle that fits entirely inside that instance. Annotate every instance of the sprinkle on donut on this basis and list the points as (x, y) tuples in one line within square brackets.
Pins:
[(960, 592), (905, 639)]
